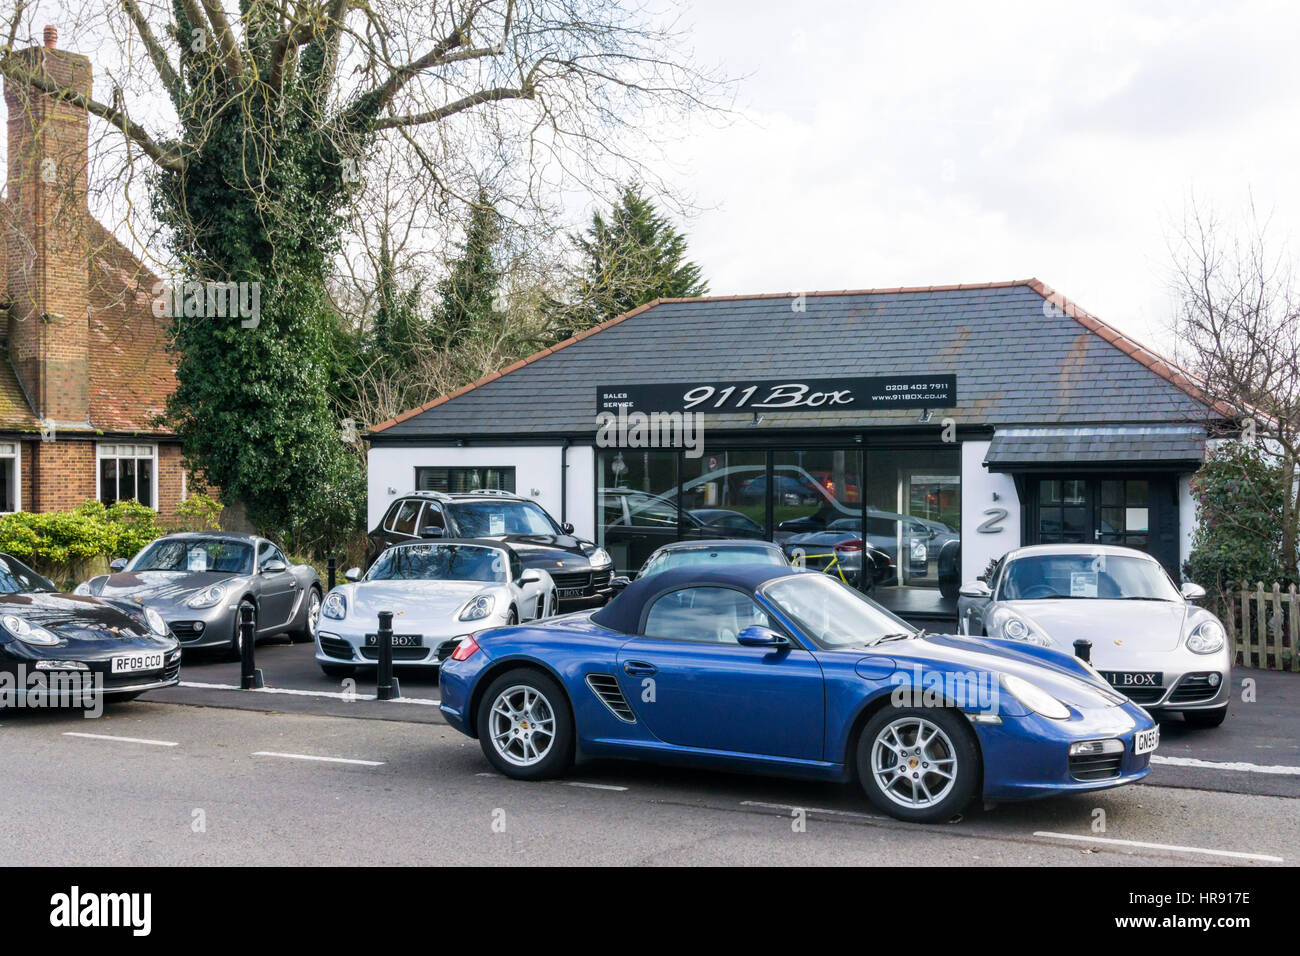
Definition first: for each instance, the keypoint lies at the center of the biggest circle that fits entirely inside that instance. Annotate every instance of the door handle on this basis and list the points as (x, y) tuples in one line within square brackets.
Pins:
[(639, 669)]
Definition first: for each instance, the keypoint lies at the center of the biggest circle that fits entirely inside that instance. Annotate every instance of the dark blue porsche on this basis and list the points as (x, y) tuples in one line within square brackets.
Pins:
[(763, 669)]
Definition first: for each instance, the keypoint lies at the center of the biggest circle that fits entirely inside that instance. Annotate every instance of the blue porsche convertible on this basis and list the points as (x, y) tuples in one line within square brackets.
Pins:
[(758, 668)]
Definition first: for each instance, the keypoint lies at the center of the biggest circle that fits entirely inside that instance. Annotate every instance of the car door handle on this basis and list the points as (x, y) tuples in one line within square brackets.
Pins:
[(639, 669)]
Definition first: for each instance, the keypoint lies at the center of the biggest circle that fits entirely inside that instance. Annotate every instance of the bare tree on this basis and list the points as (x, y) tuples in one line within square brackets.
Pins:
[(1238, 331)]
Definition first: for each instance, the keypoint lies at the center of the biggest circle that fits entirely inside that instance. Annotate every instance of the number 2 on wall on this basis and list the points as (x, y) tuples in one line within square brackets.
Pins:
[(994, 523)]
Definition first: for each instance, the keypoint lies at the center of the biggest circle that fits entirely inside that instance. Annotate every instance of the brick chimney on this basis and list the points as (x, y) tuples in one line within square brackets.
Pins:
[(46, 245)]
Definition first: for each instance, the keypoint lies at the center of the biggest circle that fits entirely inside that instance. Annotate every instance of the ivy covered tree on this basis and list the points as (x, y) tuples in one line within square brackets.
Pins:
[(630, 256), (470, 294), (272, 114)]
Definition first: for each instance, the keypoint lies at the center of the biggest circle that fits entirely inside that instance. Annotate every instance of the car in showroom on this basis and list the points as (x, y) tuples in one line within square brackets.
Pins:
[(79, 643), (767, 669), (840, 550), (580, 569), (436, 591), (724, 552), (198, 581), (1149, 639), (638, 523)]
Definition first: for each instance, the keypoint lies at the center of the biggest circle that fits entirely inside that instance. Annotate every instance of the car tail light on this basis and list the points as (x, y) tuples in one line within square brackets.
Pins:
[(851, 547), (466, 649)]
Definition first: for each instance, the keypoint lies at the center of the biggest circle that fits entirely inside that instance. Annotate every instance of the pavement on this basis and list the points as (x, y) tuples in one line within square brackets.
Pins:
[(312, 770)]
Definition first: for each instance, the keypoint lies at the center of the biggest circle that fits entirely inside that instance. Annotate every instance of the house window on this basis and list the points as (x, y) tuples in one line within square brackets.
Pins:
[(127, 473), (9, 495), (459, 480)]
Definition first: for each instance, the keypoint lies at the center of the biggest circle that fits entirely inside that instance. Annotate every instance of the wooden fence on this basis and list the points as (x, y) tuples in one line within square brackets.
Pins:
[(1264, 626)]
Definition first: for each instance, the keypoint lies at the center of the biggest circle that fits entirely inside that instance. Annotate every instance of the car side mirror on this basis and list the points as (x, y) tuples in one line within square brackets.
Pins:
[(117, 564), (432, 533), (352, 574), (977, 590), (619, 582), (567, 527), (759, 636), (1192, 592), (274, 567), (529, 577)]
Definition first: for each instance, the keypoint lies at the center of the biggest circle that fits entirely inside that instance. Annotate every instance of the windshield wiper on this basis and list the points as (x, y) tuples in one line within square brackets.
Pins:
[(900, 636)]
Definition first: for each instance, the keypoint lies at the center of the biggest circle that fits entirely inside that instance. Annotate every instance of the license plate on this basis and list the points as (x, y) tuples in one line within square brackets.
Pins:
[(1125, 679), (133, 663), (571, 592), (1145, 741), (399, 640)]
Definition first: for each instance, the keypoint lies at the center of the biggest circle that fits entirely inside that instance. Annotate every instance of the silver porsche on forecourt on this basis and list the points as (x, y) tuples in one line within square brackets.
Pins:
[(439, 591), (1149, 641), (199, 581)]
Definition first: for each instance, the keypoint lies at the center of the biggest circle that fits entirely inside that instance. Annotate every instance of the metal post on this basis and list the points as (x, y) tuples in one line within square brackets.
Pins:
[(386, 684), (1083, 649), (331, 570), (250, 677)]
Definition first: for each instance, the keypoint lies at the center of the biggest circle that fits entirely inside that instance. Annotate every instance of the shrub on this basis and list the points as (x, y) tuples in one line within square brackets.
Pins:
[(1239, 493), (61, 543), (198, 512)]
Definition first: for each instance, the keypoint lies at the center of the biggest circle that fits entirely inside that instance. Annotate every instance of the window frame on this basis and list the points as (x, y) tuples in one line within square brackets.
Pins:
[(15, 455), (101, 454)]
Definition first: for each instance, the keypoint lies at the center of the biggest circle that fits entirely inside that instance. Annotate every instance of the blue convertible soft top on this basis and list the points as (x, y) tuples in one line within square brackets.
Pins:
[(623, 614)]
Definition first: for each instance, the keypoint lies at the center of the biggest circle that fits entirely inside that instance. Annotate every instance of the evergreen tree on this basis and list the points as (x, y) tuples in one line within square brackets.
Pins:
[(630, 257), (466, 295)]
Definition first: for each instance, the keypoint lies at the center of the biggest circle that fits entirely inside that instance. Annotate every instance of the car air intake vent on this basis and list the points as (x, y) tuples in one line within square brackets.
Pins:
[(1100, 767), (606, 688)]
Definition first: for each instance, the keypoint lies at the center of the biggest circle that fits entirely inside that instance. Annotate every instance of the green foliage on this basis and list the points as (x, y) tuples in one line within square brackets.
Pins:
[(630, 257), (1240, 493), (198, 512), (58, 541), (467, 295)]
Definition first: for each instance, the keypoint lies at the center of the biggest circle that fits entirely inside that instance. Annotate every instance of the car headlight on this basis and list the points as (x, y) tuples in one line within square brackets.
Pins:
[(1012, 627), (335, 606), (27, 632), (599, 558), (1206, 638), (210, 596), (1034, 697), (156, 623), (478, 608)]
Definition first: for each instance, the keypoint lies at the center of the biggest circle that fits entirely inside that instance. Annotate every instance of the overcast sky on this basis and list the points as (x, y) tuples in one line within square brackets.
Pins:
[(886, 144)]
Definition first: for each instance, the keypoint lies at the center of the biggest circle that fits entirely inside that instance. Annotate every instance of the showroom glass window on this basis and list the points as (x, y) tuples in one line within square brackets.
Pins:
[(723, 494), (8, 476), (636, 503), (454, 481), (126, 473), (913, 500)]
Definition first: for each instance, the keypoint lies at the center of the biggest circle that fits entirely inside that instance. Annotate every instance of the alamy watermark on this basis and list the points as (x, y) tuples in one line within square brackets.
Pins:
[(52, 685), (632, 429), (210, 300)]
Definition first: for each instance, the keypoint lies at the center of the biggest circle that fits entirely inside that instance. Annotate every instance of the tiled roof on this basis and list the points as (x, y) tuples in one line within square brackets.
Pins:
[(1157, 444), (1022, 355)]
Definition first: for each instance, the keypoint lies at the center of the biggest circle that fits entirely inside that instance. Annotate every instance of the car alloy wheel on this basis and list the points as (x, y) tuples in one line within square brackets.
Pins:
[(913, 762), (521, 725), (313, 611)]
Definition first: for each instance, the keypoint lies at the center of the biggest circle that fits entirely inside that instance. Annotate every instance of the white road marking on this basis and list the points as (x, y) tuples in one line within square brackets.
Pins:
[(1238, 765), (592, 786), (361, 763), (1172, 848), (124, 740), (332, 694), (791, 806)]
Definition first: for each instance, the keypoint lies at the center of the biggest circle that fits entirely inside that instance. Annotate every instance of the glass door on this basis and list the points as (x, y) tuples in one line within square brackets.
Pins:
[(1094, 511)]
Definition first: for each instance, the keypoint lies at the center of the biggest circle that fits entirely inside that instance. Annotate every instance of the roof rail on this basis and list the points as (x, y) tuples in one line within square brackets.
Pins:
[(491, 491), (435, 495)]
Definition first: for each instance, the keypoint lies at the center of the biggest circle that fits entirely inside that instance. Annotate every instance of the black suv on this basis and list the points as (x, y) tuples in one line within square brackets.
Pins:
[(581, 570)]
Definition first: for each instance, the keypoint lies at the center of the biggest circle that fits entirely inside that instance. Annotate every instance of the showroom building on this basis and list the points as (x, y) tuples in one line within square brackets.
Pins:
[(937, 427)]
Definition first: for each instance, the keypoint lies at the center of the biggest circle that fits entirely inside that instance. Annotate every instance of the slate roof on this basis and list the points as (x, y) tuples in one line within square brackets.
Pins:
[(1022, 355), (1158, 444)]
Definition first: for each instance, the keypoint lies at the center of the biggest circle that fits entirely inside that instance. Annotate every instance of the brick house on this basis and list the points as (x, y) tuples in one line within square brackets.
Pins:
[(84, 372)]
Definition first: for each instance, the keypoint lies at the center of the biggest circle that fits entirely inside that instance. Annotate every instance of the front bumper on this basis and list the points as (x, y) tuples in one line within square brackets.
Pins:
[(339, 646), (1028, 757), (201, 627)]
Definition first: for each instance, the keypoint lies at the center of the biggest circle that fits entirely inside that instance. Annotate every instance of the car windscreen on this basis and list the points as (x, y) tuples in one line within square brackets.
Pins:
[(711, 557), (441, 562), (488, 519), (194, 555), (18, 578), (1085, 576), (833, 614)]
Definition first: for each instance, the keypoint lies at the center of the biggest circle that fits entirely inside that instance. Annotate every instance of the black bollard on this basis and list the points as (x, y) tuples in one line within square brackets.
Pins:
[(1083, 649), (331, 570), (386, 684), (250, 678)]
